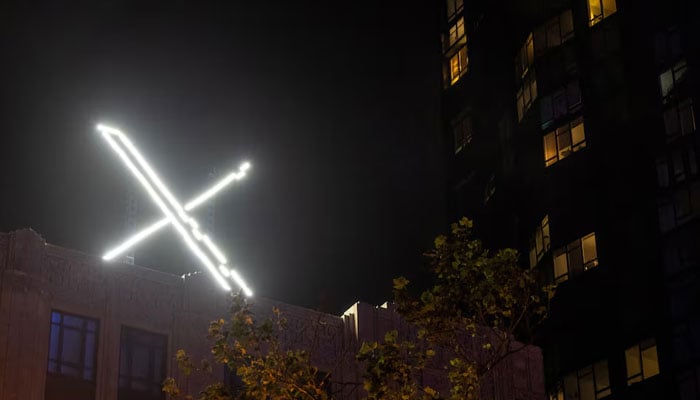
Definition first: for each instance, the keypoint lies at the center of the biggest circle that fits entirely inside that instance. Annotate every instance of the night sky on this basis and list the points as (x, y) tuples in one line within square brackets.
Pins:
[(336, 104)]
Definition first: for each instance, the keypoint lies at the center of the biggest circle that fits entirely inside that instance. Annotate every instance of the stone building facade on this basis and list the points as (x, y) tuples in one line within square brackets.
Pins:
[(73, 327)]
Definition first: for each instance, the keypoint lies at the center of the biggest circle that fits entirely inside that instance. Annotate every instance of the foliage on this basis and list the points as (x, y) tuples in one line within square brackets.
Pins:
[(253, 351), (476, 297)]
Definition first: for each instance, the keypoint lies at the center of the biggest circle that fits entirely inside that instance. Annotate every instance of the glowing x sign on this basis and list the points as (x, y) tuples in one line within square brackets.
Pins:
[(175, 214)]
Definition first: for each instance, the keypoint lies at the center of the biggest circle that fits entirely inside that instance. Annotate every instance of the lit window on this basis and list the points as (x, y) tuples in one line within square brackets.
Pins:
[(525, 58), (578, 256), (679, 119), (453, 7), (462, 132), (72, 356), (563, 141), (539, 243), (670, 79), (526, 94), (458, 65), (599, 9), (456, 32), (142, 364), (555, 32), (589, 383), (564, 102), (642, 361)]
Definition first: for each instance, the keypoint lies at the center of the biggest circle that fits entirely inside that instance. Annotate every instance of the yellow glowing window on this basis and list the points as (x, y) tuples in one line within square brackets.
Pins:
[(563, 141), (599, 9), (576, 257), (642, 361), (456, 32), (458, 64)]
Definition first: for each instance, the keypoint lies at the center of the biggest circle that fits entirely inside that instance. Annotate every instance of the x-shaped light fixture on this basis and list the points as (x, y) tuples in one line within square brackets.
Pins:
[(175, 214)]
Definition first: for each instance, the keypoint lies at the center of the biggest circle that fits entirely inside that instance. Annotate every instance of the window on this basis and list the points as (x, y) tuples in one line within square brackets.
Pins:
[(679, 119), (642, 361), (599, 9), (455, 49), (72, 357), (565, 101), (676, 166), (490, 188), (578, 256), (670, 79), (589, 383), (456, 32), (462, 131), (525, 58), (563, 141), (526, 94), (539, 243), (555, 32), (667, 46), (142, 363), (453, 7), (679, 207)]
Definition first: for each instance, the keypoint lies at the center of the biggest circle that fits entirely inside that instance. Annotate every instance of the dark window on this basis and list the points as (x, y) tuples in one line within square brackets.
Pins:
[(671, 79), (553, 33), (142, 364), (667, 46), (679, 207), (462, 132), (564, 102), (679, 119), (72, 357)]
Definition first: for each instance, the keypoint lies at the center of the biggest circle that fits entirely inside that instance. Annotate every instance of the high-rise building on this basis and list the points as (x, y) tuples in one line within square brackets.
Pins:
[(572, 133)]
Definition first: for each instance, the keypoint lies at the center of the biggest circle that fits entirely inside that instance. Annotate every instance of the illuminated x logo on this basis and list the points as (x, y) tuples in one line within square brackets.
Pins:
[(175, 214)]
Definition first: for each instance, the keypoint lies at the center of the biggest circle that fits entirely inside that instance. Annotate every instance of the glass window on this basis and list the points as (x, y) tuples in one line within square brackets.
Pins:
[(142, 364), (72, 346), (578, 256), (599, 9), (539, 242), (456, 31), (588, 383), (525, 58), (662, 172), (453, 7), (72, 357), (642, 361), (553, 33), (526, 94), (462, 132), (569, 138), (458, 64), (671, 78)]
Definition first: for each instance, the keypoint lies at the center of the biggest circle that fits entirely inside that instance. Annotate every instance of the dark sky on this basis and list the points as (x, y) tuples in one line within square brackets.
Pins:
[(335, 103)]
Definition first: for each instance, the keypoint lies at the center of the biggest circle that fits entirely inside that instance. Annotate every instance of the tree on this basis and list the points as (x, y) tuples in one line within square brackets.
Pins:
[(254, 353), (476, 296)]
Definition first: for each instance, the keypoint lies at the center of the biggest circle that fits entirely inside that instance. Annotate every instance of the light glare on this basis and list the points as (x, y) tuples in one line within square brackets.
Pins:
[(171, 218)]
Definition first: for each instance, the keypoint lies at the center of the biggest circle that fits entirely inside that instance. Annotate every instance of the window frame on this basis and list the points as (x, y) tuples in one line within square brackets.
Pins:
[(529, 87), (594, 19), (639, 349), (462, 132), (600, 390), (541, 34), (573, 254), (84, 331), (559, 138), (131, 338), (543, 230)]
